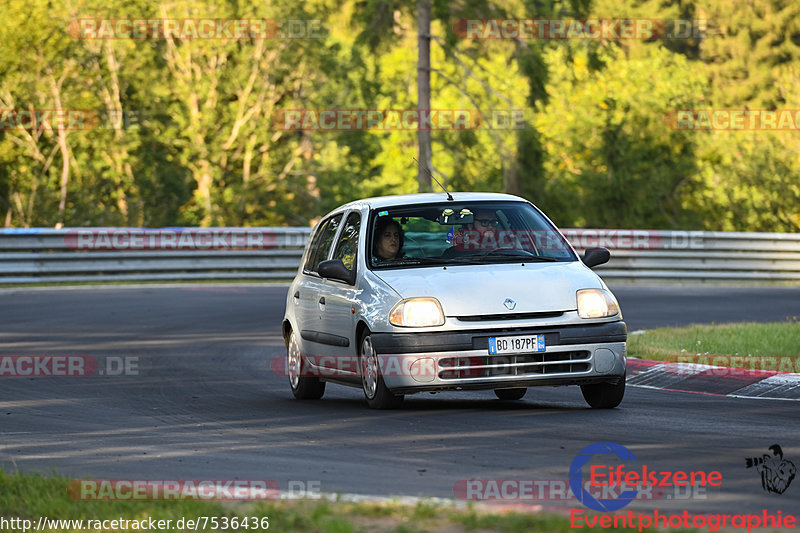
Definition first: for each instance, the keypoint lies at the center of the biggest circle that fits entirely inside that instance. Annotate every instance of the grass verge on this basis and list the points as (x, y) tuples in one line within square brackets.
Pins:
[(748, 339), (31, 496)]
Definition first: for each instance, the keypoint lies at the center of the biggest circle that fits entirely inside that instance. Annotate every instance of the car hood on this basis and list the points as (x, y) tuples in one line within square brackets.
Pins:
[(482, 289)]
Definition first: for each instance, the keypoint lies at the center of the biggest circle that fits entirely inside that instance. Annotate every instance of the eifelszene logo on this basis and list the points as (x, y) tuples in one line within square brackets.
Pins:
[(576, 476), (617, 481), (776, 472)]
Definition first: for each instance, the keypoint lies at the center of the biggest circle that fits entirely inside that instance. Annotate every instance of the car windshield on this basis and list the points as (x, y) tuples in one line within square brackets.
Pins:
[(457, 233)]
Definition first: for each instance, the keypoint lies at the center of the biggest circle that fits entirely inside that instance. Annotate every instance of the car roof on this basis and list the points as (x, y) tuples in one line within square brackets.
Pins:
[(378, 202)]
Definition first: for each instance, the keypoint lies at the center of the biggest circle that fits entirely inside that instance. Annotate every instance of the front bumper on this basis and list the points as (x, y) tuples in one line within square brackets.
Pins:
[(574, 355)]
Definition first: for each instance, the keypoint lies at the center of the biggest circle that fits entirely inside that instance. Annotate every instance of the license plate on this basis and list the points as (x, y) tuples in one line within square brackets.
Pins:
[(518, 344)]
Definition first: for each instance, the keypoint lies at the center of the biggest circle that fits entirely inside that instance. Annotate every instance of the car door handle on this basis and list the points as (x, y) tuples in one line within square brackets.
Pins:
[(322, 301)]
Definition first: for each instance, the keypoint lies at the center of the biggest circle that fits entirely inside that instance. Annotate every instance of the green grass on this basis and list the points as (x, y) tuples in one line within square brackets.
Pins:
[(739, 339), (29, 496), (32, 496)]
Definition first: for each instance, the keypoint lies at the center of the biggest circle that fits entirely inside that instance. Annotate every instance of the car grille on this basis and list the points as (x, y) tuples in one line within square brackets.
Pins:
[(514, 365), (510, 316)]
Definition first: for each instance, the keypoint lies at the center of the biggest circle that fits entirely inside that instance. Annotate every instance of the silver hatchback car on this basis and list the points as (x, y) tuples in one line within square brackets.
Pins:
[(433, 292)]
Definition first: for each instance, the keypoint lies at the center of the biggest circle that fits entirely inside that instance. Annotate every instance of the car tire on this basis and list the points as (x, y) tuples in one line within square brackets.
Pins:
[(510, 394), (604, 395), (303, 387), (376, 393)]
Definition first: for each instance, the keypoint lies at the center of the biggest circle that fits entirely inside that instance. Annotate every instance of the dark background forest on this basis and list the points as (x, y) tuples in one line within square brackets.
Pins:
[(187, 134)]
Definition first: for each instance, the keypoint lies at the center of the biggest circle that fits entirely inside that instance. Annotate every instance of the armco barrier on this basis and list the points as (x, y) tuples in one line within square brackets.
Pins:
[(693, 255), (134, 254), (168, 254)]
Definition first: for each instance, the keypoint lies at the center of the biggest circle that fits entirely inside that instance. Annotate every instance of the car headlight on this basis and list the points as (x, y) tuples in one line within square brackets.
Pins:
[(596, 303), (417, 313)]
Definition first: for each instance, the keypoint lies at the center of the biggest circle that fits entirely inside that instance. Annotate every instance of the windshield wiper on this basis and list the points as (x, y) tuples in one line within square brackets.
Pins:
[(501, 252), (410, 261)]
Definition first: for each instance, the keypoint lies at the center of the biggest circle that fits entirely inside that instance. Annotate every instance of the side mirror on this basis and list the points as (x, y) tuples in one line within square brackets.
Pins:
[(596, 256), (335, 269)]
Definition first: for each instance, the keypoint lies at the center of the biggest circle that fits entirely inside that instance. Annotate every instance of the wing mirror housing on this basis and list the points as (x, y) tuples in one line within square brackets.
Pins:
[(596, 256), (335, 269)]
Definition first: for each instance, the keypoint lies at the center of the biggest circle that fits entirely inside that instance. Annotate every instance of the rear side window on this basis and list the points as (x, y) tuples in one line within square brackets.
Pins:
[(321, 243), (347, 247)]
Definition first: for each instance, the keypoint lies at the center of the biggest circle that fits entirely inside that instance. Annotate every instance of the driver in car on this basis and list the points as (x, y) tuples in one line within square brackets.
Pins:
[(388, 244), (480, 234)]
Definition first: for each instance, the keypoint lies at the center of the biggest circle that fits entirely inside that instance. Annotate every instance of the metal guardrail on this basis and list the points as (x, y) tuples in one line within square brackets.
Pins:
[(134, 254), (657, 255), (170, 254)]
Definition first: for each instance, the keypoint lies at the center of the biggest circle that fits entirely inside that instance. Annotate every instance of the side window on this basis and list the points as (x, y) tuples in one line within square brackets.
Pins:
[(321, 244), (347, 247)]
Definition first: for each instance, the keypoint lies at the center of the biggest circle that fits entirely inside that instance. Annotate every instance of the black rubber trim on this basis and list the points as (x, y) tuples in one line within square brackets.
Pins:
[(391, 343), (324, 338), (484, 385), (510, 316)]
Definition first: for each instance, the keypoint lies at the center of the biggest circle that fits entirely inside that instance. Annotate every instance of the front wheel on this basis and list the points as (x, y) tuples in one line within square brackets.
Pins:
[(604, 395), (375, 391), (303, 387), (510, 394)]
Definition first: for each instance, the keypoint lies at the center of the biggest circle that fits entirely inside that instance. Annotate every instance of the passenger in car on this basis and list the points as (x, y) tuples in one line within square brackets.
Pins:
[(388, 243), (483, 220), (480, 234)]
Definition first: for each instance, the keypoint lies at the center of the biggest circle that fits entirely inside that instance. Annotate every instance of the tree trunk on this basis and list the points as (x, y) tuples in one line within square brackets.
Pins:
[(64, 149), (510, 176), (424, 92)]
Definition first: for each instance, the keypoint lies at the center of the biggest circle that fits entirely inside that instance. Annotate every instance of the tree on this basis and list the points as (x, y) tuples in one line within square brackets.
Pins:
[(611, 157), (754, 42)]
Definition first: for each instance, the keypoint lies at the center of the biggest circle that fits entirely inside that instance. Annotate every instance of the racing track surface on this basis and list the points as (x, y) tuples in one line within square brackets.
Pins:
[(206, 406)]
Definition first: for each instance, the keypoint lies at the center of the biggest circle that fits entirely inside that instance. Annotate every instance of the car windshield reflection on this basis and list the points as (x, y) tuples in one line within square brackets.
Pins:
[(469, 233)]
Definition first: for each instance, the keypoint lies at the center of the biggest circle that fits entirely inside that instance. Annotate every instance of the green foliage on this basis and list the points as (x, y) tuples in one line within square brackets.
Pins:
[(611, 159), (199, 143), (753, 43)]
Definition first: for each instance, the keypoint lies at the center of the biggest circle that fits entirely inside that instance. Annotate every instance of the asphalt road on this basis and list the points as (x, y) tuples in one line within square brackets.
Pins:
[(203, 403), (645, 307)]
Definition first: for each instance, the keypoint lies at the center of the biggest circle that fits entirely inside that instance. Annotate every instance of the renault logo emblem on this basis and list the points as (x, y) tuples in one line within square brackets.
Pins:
[(510, 304)]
